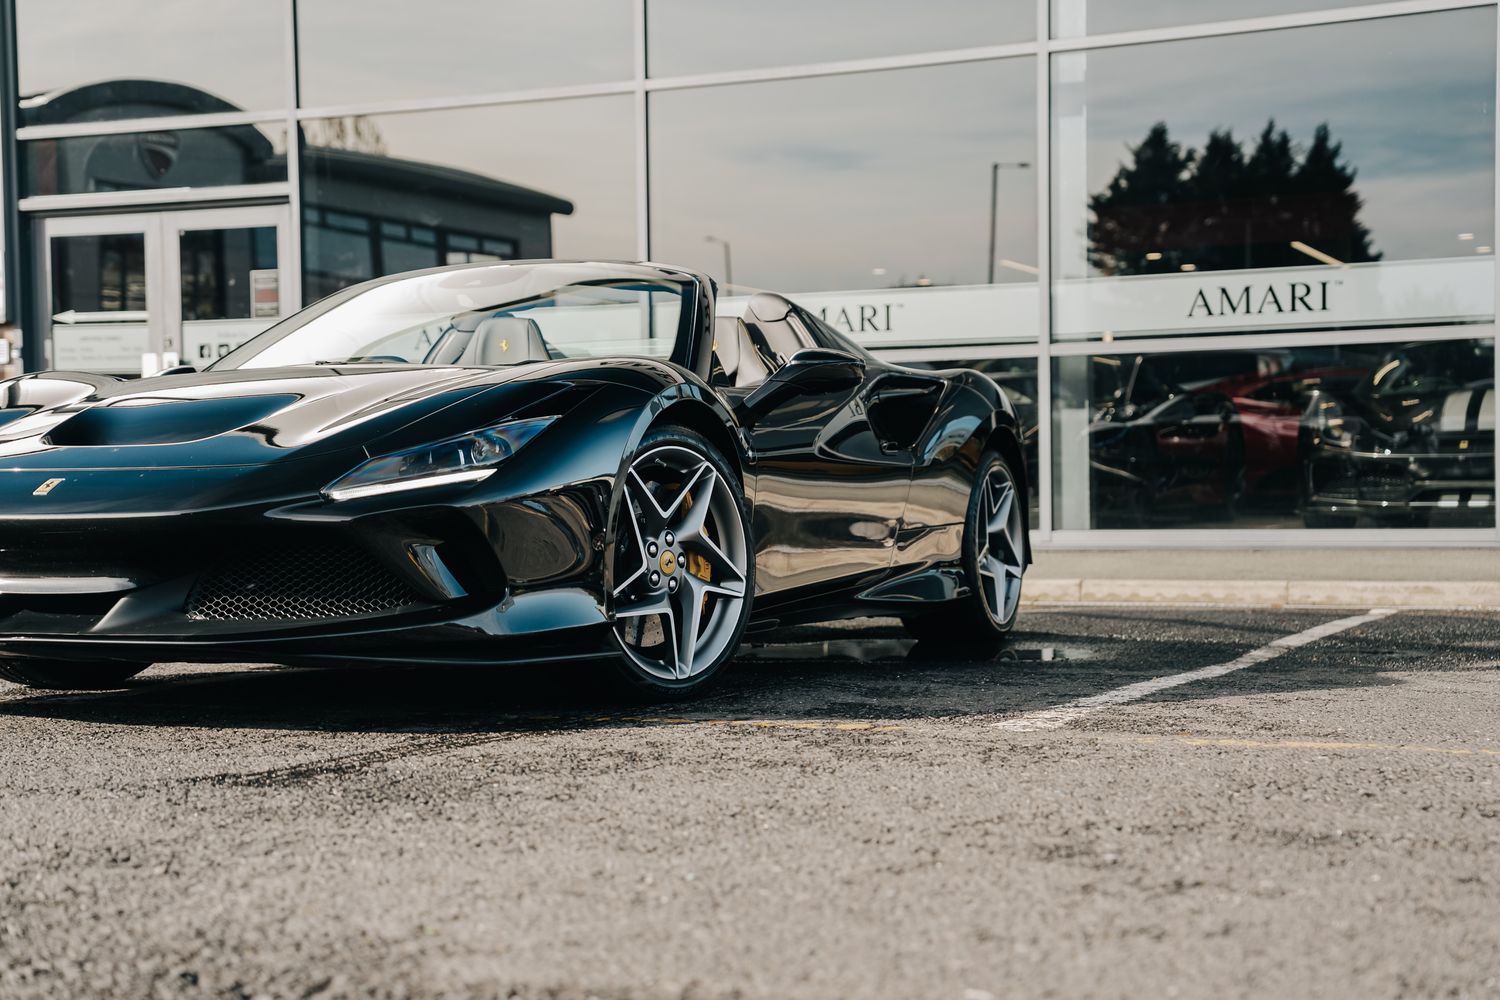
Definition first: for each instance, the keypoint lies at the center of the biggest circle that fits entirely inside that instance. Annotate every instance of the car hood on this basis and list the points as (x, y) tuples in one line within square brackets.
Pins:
[(67, 421), (1466, 410)]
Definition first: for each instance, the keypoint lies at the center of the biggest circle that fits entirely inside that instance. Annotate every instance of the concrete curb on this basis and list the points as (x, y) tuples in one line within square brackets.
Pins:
[(1480, 595)]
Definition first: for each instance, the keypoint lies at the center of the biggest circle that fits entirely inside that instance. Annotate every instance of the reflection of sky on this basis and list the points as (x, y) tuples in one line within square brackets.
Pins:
[(700, 36), (1077, 17), (816, 183), (371, 50), (1411, 99), (230, 48), (580, 150)]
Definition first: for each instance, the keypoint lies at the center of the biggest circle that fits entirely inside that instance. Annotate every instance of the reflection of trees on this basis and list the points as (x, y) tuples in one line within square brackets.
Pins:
[(1219, 208)]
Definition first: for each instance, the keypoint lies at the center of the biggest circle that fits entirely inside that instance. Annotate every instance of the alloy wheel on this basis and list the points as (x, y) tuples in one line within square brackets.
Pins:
[(680, 565), (1001, 554)]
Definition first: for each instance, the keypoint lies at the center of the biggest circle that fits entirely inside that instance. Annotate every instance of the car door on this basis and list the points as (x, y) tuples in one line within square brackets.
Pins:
[(829, 491)]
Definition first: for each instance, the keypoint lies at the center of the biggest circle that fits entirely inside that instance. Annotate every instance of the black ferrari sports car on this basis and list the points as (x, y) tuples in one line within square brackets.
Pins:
[(494, 463)]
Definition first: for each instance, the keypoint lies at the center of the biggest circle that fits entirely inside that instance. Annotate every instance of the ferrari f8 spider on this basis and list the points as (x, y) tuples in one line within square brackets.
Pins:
[(499, 463)]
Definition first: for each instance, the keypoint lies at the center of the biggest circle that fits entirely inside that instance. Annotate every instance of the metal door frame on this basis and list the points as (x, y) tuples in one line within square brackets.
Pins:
[(163, 256), (148, 225)]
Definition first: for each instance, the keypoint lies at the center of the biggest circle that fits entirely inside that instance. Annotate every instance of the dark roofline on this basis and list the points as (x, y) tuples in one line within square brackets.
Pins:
[(382, 170)]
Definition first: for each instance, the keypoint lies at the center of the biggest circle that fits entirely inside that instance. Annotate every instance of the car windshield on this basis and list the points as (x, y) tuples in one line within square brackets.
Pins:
[(493, 314)]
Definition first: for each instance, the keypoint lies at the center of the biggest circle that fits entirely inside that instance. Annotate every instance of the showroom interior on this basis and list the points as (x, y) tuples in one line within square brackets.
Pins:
[(1232, 260)]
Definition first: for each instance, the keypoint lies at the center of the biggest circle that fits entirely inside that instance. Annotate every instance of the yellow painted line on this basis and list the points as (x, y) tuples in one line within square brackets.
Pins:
[(1249, 744)]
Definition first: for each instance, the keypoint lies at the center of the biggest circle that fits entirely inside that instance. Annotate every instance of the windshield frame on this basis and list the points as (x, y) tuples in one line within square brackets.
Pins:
[(695, 292)]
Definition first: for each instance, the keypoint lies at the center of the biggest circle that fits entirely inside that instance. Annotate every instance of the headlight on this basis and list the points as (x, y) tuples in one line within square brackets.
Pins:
[(465, 459)]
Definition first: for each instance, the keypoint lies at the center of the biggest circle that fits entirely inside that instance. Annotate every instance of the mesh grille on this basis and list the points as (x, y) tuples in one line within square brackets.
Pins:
[(1376, 484), (302, 583)]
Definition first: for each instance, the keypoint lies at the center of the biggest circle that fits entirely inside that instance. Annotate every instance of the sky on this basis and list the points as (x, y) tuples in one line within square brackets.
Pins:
[(1411, 99)]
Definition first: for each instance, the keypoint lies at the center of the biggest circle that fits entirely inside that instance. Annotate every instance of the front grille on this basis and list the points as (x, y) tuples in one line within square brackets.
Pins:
[(299, 583), (1377, 483)]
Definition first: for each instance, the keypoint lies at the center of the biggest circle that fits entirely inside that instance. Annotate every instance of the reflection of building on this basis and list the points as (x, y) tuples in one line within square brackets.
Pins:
[(374, 214), (379, 215), (1175, 290)]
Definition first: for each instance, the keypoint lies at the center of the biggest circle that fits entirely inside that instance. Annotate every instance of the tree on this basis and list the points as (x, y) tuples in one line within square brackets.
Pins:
[(1135, 214), (1220, 209)]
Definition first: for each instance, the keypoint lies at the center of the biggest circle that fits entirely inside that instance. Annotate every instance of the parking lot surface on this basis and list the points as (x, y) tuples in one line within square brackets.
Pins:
[(1153, 802)]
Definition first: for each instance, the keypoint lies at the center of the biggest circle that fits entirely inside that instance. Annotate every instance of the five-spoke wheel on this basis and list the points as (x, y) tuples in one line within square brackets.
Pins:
[(994, 559), (1002, 553), (683, 567)]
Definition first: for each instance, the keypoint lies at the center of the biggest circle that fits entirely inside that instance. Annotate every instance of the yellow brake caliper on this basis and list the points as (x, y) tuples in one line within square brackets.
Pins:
[(696, 564)]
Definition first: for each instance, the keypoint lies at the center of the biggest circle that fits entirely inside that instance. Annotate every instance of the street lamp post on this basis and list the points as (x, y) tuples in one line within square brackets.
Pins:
[(995, 206), (728, 272)]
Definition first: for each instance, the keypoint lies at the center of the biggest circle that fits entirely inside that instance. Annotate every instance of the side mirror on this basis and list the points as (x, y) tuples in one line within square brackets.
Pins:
[(176, 370), (808, 371)]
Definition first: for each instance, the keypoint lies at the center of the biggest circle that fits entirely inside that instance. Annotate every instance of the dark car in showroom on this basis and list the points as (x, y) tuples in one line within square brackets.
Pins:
[(1159, 451), (504, 462), (1412, 442)]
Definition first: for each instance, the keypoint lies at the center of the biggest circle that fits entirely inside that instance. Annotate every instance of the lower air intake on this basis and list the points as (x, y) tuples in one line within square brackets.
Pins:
[(301, 583)]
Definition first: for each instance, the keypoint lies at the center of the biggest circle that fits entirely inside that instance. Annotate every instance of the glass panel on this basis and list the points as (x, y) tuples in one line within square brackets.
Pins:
[(850, 191), (387, 51), (1017, 379), (394, 192), (231, 289), (1357, 191), (183, 158), (1370, 436), (690, 36), (90, 60), (1071, 18), (99, 320)]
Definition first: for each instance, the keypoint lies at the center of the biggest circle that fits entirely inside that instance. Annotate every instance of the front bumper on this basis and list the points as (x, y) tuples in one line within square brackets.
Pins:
[(458, 578), (1453, 487)]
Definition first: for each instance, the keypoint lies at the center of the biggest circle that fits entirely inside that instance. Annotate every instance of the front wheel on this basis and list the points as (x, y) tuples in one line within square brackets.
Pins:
[(994, 559), (70, 675), (683, 570)]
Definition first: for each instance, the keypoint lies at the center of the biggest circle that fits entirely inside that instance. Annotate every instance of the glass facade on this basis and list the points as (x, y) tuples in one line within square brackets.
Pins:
[(845, 189), (388, 193), (1233, 262), (92, 60), (1188, 203)]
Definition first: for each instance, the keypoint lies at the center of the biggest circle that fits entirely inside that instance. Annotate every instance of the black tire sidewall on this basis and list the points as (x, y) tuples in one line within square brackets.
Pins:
[(639, 680)]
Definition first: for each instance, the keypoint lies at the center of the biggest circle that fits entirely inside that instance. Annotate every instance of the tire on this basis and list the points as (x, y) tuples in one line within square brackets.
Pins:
[(993, 564), (70, 675), (682, 574)]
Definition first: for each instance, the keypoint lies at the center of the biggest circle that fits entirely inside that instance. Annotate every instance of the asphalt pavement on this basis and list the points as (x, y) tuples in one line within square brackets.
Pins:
[(1126, 802)]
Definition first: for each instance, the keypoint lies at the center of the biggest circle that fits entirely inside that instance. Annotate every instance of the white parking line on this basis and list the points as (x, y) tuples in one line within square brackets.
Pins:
[(1063, 715)]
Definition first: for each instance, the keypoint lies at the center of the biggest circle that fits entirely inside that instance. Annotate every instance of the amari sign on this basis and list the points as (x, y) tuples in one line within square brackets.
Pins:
[(1250, 299), (1379, 293), (1396, 293)]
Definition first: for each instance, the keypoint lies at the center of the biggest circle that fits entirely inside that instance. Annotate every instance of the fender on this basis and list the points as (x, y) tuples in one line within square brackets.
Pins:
[(681, 399)]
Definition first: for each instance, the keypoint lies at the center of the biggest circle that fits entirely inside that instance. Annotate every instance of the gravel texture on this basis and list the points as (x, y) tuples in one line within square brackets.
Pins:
[(839, 819)]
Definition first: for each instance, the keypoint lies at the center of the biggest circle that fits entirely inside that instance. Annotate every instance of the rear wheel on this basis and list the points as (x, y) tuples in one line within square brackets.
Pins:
[(994, 559), (683, 571), (70, 675)]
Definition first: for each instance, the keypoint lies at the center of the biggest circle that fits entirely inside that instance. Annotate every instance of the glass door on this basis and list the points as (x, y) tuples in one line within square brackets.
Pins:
[(133, 294), (103, 293), (227, 268)]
